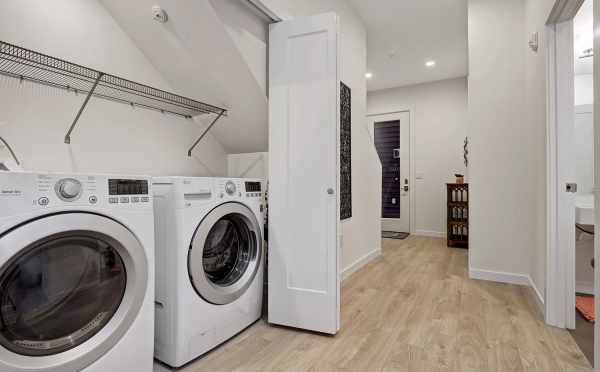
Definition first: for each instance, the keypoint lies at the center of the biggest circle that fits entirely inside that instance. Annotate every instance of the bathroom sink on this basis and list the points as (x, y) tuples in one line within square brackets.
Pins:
[(584, 209)]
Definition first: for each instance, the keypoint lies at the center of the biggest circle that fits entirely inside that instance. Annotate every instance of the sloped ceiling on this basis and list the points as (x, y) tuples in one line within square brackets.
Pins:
[(197, 56)]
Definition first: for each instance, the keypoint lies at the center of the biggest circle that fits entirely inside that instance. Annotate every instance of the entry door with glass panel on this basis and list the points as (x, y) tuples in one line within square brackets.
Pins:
[(391, 135), (70, 287), (226, 253)]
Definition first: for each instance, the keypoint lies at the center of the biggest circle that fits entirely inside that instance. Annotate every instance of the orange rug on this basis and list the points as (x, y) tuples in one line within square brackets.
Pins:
[(585, 306)]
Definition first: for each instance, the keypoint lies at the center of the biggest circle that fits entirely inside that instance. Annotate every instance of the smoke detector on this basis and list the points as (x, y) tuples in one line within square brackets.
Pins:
[(159, 14)]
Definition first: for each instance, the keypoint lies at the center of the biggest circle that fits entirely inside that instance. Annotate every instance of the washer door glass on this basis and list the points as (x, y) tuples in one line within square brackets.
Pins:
[(226, 253), (59, 293)]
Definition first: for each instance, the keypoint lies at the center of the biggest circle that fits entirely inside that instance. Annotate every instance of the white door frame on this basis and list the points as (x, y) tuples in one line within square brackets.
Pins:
[(411, 179), (560, 245), (597, 174)]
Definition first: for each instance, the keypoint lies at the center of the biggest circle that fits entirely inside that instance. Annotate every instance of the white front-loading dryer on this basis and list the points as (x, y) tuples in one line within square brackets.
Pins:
[(209, 263), (76, 273)]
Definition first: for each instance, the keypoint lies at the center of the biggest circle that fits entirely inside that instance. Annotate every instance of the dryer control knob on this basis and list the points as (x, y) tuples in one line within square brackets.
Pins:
[(230, 188), (68, 189)]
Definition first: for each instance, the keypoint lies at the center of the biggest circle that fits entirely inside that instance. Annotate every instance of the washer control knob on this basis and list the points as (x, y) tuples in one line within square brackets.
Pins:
[(68, 189), (230, 188)]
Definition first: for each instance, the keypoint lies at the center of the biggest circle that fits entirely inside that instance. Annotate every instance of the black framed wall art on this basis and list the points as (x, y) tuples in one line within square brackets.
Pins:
[(345, 152)]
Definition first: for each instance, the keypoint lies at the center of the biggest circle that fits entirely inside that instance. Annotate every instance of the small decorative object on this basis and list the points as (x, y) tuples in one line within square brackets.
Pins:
[(345, 152), (466, 151), (460, 178)]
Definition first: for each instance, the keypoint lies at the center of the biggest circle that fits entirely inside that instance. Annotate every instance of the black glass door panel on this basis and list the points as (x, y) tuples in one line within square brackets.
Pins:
[(387, 143), (59, 293)]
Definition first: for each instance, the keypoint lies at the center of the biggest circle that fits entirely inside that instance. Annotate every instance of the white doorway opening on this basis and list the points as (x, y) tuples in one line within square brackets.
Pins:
[(570, 132)]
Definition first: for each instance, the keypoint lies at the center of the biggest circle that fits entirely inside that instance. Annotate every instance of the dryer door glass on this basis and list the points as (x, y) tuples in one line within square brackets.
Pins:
[(59, 293), (226, 253)]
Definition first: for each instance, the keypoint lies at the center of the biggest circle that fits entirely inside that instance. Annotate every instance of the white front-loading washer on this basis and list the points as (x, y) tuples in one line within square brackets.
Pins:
[(76, 273), (209, 263)]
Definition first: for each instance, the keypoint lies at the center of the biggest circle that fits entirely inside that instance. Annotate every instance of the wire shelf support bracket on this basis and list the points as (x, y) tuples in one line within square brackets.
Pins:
[(85, 102), (219, 116)]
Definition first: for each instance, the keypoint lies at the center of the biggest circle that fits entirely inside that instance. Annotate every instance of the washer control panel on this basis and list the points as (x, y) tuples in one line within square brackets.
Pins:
[(127, 187)]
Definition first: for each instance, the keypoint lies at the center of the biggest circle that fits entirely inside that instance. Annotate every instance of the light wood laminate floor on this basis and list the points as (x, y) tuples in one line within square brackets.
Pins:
[(411, 309)]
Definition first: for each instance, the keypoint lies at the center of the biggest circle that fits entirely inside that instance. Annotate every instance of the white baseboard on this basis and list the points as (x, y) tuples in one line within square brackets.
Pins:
[(511, 278), (537, 296), (358, 264), (433, 234), (585, 287), (499, 276)]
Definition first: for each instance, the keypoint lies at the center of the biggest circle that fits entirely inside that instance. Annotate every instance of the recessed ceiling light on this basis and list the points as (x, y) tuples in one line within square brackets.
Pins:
[(369, 75), (430, 63)]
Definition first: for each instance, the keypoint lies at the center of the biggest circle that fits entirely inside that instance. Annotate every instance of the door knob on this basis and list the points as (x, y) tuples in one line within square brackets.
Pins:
[(330, 191)]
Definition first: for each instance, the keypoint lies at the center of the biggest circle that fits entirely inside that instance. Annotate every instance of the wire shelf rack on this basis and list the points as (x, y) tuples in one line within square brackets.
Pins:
[(25, 64)]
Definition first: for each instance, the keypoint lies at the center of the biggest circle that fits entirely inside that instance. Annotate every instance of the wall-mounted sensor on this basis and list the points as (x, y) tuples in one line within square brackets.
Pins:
[(159, 14)]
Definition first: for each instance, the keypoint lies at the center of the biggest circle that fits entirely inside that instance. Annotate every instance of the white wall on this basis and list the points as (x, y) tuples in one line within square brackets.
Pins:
[(584, 89), (250, 165), (361, 234), (584, 149), (109, 137), (502, 186), (507, 124), (440, 119)]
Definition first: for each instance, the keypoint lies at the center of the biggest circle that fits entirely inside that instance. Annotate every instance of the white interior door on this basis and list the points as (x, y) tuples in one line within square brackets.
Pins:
[(391, 136), (304, 275)]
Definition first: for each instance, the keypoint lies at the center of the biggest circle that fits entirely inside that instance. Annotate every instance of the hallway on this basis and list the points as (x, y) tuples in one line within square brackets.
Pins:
[(412, 309)]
